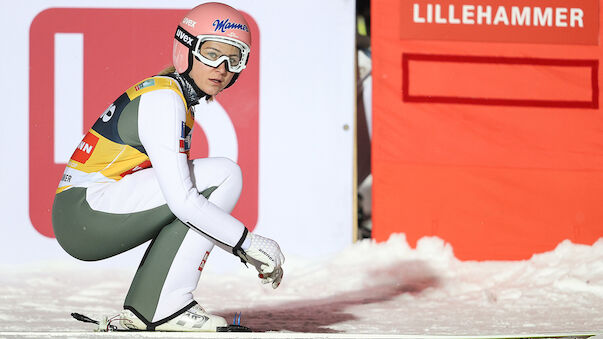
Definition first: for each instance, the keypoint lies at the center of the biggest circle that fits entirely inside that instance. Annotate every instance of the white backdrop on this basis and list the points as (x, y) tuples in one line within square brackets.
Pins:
[(306, 127)]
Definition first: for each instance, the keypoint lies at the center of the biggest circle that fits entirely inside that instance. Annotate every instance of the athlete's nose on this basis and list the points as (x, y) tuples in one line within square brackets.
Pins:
[(222, 67)]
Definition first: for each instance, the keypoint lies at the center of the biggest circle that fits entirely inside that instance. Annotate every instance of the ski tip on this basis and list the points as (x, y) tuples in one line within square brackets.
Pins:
[(83, 318)]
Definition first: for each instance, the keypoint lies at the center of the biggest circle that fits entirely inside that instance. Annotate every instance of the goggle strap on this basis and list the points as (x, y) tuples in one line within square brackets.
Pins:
[(185, 38)]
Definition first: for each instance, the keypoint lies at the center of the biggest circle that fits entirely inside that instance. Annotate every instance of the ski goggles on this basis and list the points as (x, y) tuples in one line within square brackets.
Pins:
[(235, 62)]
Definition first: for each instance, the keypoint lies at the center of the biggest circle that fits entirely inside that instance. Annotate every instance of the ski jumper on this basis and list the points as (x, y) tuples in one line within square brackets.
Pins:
[(130, 180)]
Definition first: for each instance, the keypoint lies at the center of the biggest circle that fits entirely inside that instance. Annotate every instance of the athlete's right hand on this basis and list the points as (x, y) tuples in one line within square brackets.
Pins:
[(267, 258), (275, 277)]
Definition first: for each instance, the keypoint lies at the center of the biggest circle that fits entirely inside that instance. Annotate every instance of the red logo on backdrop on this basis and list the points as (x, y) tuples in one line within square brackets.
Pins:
[(120, 48)]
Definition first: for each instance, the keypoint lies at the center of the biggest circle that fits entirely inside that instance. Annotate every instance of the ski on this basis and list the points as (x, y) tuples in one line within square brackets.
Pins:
[(106, 325)]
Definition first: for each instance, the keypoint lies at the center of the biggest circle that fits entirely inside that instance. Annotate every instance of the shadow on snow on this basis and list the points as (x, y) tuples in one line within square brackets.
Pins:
[(316, 315)]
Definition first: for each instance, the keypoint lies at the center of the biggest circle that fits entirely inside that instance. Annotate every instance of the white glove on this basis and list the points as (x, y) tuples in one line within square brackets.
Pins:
[(275, 277), (266, 256)]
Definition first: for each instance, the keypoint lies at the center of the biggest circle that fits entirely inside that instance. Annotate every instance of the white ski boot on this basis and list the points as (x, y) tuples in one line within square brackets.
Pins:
[(194, 319)]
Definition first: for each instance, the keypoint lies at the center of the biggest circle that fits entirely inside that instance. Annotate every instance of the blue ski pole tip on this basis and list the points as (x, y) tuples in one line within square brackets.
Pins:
[(237, 319), (236, 325)]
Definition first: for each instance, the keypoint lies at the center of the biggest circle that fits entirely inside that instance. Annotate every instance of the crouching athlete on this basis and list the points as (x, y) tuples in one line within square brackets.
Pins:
[(130, 180)]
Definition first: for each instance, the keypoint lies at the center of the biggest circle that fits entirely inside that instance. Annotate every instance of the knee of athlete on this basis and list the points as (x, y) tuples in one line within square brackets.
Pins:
[(234, 176)]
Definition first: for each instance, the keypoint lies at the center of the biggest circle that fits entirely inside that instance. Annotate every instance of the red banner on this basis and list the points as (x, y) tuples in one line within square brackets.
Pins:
[(487, 133)]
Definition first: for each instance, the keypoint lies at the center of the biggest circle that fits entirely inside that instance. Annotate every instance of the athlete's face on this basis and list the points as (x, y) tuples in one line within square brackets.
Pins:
[(212, 80)]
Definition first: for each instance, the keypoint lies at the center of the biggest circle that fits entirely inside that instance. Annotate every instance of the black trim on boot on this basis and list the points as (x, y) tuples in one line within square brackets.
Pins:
[(151, 326)]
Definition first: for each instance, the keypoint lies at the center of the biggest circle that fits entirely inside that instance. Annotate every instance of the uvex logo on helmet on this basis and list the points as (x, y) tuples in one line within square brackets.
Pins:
[(184, 37), (223, 25)]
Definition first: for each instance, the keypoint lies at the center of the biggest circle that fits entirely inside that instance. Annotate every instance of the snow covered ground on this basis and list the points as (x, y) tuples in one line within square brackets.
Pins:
[(386, 289)]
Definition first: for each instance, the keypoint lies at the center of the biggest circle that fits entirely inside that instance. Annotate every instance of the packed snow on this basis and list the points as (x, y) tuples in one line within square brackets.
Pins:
[(370, 288)]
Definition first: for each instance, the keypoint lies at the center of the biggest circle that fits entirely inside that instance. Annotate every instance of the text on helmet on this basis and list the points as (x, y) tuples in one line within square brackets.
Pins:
[(189, 22), (223, 25), (184, 37)]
